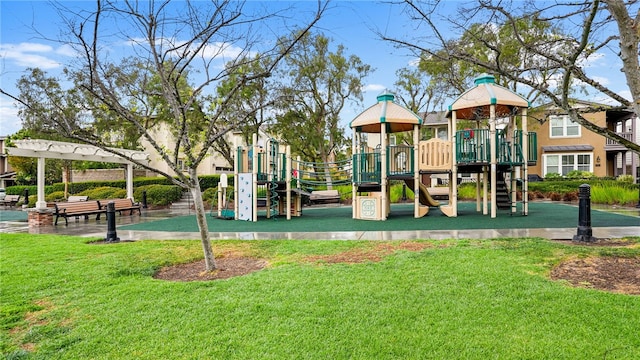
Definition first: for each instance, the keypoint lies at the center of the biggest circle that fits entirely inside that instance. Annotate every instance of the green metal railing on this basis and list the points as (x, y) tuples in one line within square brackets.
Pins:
[(472, 146), (400, 160), (366, 168), (532, 145)]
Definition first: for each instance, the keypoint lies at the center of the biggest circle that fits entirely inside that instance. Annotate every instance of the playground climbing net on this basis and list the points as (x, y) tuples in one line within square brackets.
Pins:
[(321, 173)]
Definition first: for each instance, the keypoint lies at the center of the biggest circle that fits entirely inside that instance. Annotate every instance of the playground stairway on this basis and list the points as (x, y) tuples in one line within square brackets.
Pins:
[(185, 202), (503, 198)]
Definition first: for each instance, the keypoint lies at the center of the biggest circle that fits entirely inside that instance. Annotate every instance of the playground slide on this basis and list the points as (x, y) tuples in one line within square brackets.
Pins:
[(425, 197)]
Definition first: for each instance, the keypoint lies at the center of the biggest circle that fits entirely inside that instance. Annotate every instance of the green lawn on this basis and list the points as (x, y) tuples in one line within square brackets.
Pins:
[(460, 299)]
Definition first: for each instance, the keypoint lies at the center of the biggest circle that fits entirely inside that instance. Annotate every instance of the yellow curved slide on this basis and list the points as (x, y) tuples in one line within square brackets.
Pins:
[(425, 197)]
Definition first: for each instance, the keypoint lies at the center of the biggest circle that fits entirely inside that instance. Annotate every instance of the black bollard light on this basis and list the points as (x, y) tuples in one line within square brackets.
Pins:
[(585, 232), (26, 196), (112, 236), (404, 192), (144, 199)]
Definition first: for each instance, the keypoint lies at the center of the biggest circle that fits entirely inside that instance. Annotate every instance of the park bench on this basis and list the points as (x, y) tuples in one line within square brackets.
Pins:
[(122, 205), (324, 196), (77, 209), (10, 200)]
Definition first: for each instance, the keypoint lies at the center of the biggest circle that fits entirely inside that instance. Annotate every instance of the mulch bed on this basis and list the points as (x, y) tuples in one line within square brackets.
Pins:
[(228, 267), (615, 274)]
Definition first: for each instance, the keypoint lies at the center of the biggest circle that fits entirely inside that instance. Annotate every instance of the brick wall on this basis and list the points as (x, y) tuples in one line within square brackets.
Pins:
[(105, 175)]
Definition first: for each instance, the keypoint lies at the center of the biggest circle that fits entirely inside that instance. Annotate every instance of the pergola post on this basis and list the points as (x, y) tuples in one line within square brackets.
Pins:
[(130, 181), (41, 203)]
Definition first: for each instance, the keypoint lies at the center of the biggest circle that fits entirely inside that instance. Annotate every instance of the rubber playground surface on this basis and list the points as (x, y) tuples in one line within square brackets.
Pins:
[(336, 219)]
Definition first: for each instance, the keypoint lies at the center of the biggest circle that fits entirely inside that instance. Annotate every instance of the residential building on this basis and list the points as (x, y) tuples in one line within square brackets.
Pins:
[(564, 146), (213, 164), (7, 174)]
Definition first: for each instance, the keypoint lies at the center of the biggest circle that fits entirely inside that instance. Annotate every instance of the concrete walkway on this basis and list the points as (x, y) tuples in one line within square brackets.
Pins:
[(98, 230)]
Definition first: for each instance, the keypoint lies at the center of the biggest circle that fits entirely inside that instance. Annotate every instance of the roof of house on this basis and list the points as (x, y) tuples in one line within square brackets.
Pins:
[(563, 148)]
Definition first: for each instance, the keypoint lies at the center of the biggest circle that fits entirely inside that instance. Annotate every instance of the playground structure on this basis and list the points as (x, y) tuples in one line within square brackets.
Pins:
[(268, 173), (497, 157), (267, 168)]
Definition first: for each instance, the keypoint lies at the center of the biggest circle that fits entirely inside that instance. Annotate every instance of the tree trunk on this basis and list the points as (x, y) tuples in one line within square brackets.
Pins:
[(201, 218)]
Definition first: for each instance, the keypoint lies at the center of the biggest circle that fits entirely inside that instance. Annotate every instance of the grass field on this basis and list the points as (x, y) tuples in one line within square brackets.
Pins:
[(65, 299)]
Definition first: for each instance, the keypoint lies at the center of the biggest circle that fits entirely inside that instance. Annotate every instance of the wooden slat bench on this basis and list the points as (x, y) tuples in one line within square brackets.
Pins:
[(123, 205), (77, 209), (324, 196), (10, 200)]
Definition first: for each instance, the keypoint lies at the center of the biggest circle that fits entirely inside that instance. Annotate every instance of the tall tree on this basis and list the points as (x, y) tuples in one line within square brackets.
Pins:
[(172, 42), (541, 46), (420, 93), (318, 83), (251, 108)]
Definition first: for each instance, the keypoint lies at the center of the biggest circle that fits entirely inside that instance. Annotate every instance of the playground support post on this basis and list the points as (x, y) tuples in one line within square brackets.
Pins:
[(485, 190), (236, 145), (383, 165), (254, 179), (416, 172), (493, 163), (354, 150), (288, 180), (525, 163), (453, 177)]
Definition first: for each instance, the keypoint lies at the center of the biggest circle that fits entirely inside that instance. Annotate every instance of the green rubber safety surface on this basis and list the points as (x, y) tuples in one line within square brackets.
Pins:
[(336, 219)]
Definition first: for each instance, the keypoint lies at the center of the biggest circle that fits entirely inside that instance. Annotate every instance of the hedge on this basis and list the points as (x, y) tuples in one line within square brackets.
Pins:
[(206, 182)]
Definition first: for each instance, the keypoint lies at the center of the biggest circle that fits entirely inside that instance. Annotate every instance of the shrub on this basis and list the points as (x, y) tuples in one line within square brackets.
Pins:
[(578, 174), (555, 196), (105, 192), (159, 195), (570, 196), (467, 191), (625, 179), (55, 196), (210, 196), (553, 176)]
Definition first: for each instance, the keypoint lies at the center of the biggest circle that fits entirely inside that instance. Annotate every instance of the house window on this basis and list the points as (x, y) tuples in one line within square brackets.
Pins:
[(564, 163), (562, 126), (181, 165)]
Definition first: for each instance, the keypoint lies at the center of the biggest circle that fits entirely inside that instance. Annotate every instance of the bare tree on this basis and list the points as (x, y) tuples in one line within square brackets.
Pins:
[(552, 60), (180, 49)]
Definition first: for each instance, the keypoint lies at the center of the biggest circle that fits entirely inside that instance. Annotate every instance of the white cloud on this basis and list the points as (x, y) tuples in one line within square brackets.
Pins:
[(66, 50), (29, 55), (594, 60), (216, 50), (373, 87), (9, 120), (602, 80)]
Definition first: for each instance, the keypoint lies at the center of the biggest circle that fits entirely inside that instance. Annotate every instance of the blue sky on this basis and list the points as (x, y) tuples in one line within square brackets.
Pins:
[(350, 23)]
